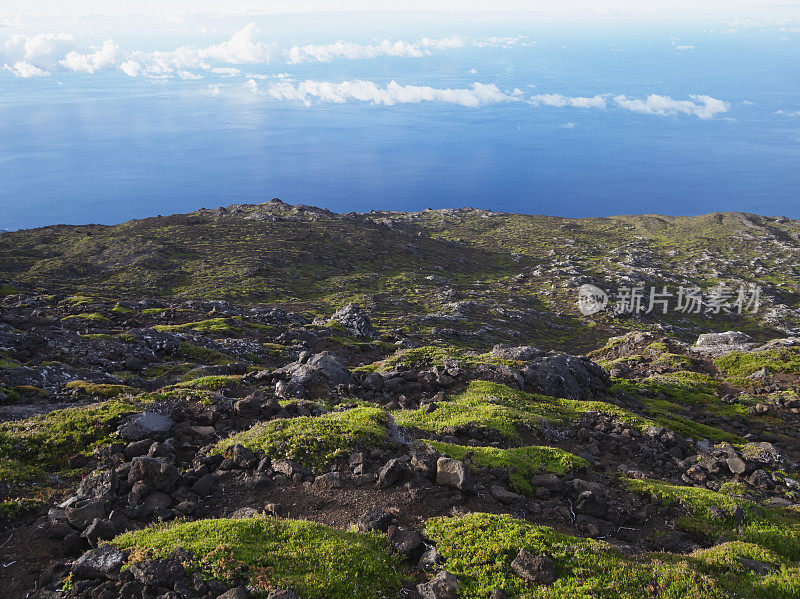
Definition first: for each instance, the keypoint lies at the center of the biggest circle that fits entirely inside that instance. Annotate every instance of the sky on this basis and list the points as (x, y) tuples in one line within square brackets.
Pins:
[(561, 8), (107, 118)]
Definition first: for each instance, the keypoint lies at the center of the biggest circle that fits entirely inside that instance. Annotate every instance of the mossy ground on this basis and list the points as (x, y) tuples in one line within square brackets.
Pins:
[(520, 462), (99, 390), (315, 561), (504, 410), (776, 529), (220, 326), (739, 366), (315, 441), (30, 447), (479, 548)]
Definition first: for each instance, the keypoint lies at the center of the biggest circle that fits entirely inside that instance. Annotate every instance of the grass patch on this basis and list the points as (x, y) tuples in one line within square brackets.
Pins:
[(430, 355), (213, 383), (315, 441), (500, 408), (776, 529), (314, 560), (478, 549), (101, 390), (738, 366), (204, 355), (30, 446), (220, 326), (92, 316), (521, 462)]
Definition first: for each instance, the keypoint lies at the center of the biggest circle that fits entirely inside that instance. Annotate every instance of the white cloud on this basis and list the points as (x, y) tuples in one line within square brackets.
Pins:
[(42, 51), (252, 85), (329, 52), (701, 106), (25, 69), (131, 68), (393, 93), (446, 43), (574, 102), (107, 56), (684, 48), (241, 48)]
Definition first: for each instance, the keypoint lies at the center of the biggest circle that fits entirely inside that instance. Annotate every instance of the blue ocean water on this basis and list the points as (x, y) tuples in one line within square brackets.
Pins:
[(104, 148)]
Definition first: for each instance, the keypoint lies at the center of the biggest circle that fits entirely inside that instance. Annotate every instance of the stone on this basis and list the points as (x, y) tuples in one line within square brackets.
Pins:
[(374, 519), (237, 593), (453, 473), (204, 485), (736, 465), (353, 318), (82, 514), (443, 586), (404, 540), (282, 594), (157, 474), (562, 375), (157, 501), (99, 486), (373, 381), (538, 569), (429, 560), (242, 456), (162, 573), (756, 566), (288, 468), (391, 473), (503, 495), (103, 562), (144, 425)]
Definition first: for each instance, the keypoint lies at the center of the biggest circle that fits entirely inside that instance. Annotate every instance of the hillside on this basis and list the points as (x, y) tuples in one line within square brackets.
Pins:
[(281, 402), (473, 277)]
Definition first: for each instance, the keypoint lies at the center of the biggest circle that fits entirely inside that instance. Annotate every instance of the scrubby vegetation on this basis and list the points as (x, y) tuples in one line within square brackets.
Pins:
[(520, 462), (479, 549), (315, 441), (317, 561)]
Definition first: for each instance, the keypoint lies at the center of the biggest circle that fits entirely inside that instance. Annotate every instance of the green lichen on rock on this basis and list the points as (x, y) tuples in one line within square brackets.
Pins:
[(314, 560)]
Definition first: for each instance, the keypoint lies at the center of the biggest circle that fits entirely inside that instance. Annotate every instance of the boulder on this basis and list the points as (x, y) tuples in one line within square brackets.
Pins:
[(391, 473), (562, 375), (99, 486), (453, 473), (145, 425), (157, 474), (237, 593), (374, 519), (282, 594), (103, 562), (404, 540), (443, 586), (720, 344), (353, 318)]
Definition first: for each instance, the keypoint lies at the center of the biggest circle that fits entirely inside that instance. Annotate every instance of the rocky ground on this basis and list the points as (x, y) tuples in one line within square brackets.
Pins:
[(199, 449)]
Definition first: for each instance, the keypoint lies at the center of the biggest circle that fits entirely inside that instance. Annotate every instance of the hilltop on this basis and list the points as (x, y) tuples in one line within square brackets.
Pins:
[(470, 276)]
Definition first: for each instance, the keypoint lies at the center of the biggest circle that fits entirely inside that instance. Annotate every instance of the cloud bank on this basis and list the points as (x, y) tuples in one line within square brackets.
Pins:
[(391, 94)]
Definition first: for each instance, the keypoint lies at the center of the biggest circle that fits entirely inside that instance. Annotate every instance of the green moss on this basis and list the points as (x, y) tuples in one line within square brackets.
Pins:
[(101, 390), (47, 441), (97, 336), (7, 290), (119, 309), (520, 462), (315, 561), (430, 355), (220, 326), (738, 366), (315, 441), (214, 383), (204, 354), (478, 549), (502, 409), (773, 528), (11, 508), (92, 316)]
